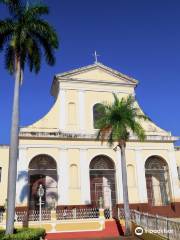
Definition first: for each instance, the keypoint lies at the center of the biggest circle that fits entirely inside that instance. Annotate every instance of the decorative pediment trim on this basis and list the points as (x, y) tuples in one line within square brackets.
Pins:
[(97, 65), (124, 80), (102, 82)]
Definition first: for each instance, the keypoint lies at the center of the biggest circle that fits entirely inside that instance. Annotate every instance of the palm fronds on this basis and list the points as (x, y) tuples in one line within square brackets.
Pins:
[(119, 119), (26, 35)]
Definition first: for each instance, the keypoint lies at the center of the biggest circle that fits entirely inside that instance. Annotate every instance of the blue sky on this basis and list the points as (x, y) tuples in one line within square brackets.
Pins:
[(139, 38)]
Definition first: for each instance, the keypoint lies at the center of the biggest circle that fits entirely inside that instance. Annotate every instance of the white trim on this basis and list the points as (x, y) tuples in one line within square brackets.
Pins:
[(86, 147), (90, 135), (85, 178), (81, 99), (22, 178), (97, 90), (62, 110), (96, 82), (63, 178), (119, 187), (173, 174), (140, 172), (97, 65)]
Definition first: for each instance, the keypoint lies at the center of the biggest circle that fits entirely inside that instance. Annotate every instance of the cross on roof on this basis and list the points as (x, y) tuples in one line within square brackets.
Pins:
[(96, 56)]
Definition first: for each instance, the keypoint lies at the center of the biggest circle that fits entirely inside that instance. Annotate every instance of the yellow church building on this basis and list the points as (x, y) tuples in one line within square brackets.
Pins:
[(60, 151)]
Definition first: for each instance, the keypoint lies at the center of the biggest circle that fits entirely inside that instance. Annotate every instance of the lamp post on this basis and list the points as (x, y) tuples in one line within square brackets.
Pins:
[(40, 193)]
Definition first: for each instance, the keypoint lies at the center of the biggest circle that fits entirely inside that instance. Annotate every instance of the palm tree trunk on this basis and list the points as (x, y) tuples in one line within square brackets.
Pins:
[(125, 192), (13, 152)]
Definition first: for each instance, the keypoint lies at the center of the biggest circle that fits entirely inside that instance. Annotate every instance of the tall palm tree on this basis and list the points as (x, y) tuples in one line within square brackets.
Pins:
[(25, 36), (116, 122)]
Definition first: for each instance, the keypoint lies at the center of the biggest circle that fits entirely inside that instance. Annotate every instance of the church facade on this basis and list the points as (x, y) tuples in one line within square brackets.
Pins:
[(60, 151)]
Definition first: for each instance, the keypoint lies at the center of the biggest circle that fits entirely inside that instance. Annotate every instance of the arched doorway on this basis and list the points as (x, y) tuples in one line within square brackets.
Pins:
[(102, 182), (157, 181), (43, 170)]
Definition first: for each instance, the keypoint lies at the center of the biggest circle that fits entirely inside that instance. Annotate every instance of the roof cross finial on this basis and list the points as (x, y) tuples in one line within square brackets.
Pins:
[(96, 56)]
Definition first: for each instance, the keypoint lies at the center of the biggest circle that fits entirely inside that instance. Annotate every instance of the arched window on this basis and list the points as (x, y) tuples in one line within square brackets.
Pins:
[(98, 110), (131, 175), (157, 181), (74, 178), (72, 113)]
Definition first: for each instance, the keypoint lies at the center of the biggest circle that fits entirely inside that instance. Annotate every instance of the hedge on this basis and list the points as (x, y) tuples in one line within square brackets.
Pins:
[(24, 234)]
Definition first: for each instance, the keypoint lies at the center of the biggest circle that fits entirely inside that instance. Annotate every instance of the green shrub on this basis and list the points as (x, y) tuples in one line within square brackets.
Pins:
[(24, 234)]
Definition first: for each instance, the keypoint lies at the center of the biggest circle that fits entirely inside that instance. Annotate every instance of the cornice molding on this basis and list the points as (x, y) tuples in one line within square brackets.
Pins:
[(86, 147), (80, 136), (4, 146), (97, 82), (96, 90)]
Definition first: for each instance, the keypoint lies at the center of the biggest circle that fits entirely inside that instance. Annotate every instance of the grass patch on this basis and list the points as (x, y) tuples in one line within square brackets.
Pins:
[(24, 234)]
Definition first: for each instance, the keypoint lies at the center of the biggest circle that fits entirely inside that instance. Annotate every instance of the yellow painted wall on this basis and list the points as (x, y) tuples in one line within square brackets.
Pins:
[(97, 74), (95, 91), (32, 152), (4, 162), (177, 154), (74, 176)]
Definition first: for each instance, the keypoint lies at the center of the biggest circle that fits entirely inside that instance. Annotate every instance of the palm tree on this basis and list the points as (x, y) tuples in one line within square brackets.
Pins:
[(116, 122), (24, 36)]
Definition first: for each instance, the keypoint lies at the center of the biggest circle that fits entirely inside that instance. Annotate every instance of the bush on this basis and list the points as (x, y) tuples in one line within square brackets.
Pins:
[(24, 234)]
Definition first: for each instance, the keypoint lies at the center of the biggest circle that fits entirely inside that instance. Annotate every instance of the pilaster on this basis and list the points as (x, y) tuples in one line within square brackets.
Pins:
[(62, 112), (22, 178), (141, 179), (119, 177), (63, 178), (85, 178), (175, 190), (81, 99)]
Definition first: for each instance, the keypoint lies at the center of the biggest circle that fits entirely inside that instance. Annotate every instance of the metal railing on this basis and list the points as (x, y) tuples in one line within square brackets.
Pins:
[(155, 224), (32, 215), (84, 213)]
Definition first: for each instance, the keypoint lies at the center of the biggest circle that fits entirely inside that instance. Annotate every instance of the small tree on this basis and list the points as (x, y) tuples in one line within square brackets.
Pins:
[(116, 122), (25, 35)]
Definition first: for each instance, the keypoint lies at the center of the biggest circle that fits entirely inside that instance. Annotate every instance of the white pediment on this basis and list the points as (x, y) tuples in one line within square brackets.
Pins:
[(98, 72)]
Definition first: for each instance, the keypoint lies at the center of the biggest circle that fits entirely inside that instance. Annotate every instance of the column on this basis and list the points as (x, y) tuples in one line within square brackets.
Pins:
[(141, 179), (85, 177), (119, 177), (173, 174), (62, 114), (22, 178), (63, 178), (81, 99)]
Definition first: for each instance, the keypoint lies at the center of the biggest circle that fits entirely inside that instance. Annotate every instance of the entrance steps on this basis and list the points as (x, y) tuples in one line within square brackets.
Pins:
[(113, 229)]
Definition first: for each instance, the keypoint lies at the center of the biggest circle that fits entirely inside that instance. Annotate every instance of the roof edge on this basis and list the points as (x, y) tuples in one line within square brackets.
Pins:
[(100, 65)]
